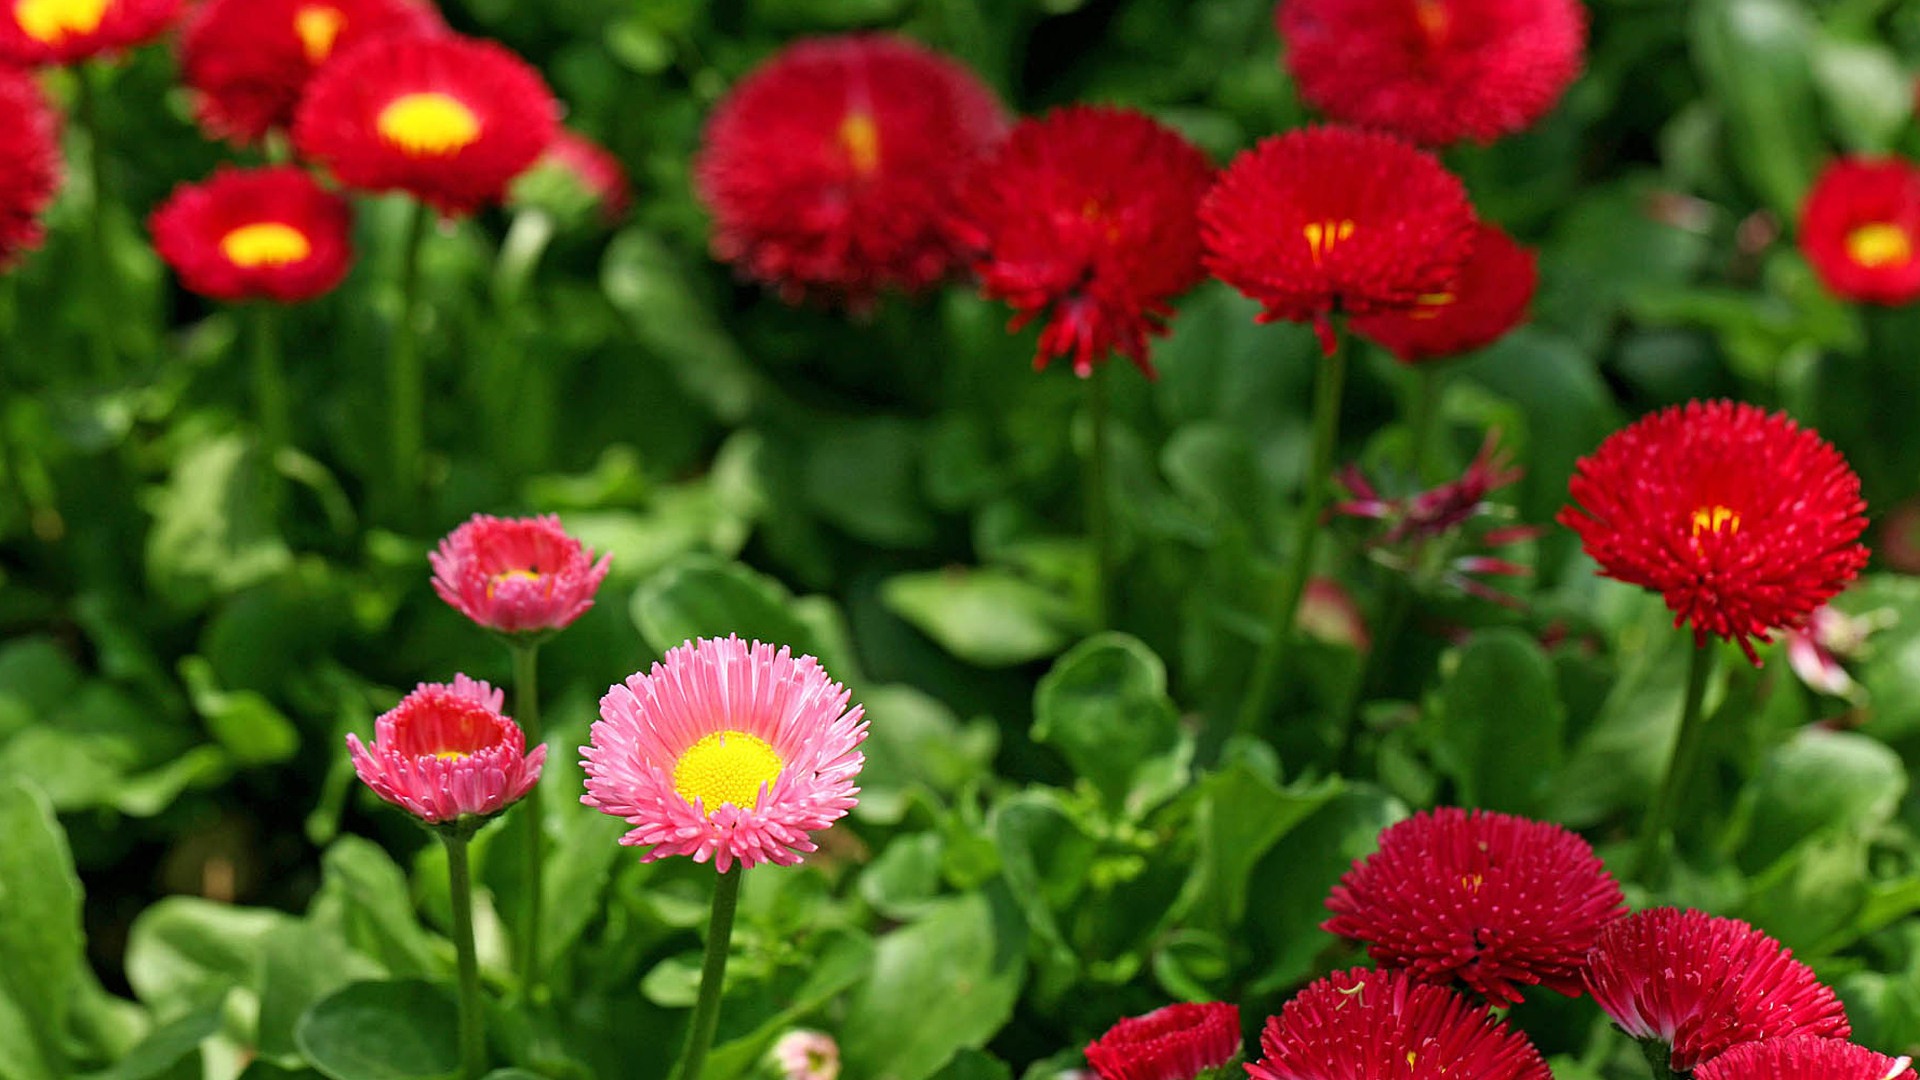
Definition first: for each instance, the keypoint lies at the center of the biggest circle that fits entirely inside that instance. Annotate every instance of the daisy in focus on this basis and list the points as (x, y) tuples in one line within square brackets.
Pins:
[(269, 234), (1804, 1057), (447, 755), (1177, 1042)]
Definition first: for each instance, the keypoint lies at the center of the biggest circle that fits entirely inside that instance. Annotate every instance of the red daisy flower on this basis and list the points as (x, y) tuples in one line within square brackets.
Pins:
[(1178, 1042), (256, 234), (1804, 1057), (29, 163), (35, 32), (1491, 299), (447, 753), (449, 120), (1329, 220), (1494, 901), (517, 575), (248, 61), (1860, 228), (1385, 1023), (575, 175), (1435, 71), (833, 169), (1702, 984), (1089, 216), (1743, 519)]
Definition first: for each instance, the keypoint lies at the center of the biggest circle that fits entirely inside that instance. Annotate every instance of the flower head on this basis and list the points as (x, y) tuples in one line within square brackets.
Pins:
[(1804, 1057), (574, 176), (1178, 1042), (726, 751), (36, 32), (1745, 521), (446, 753), (1491, 299), (29, 163), (1434, 71), (251, 234), (1818, 651), (807, 1055), (1088, 216), (1860, 228), (248, 61), (449, 120), (517, 575), (1385, 1023), (831, 171), (1493, 901), (1329, 220), (1702, 984)]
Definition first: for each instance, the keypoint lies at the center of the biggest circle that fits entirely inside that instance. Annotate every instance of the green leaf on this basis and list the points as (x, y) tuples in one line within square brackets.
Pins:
[(168, 1047), (861, 475), (382, 1031), (40, 936), (975, 1065), (1293, 878), (246, 723), (365, 898), (210, 533), (1501, 723), (1753, 56), (702, 597), (1104, 706), (647, 282), (301, 964), (987, 617), (1046, 853), (185, 952), (922, 746), (1821, 781), (1868, 92), (1242, 814)]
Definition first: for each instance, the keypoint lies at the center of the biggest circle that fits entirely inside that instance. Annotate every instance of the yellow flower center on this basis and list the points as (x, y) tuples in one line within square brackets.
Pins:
[(318, 26), (265, 243), (1430, 305), (50, 21), (1714, 519), (860, 138), (516, 574), (428, 125), (1434, 19), (1322, 236), (450, 755), (1471, 882), (726, 767), (1880, 246)]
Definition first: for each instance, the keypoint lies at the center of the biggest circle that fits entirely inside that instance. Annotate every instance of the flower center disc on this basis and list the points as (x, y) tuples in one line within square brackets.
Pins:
[(318, 27), (265, 243), (1880, 246), (49, 21), (726, 767), (428, 125), (1322, 236), (860, 138), (1715, 519), (1430, 305)]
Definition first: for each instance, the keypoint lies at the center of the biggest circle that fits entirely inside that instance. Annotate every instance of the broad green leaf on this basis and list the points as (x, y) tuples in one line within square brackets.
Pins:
[(1293, 878), (184, 952), (246, 723), (300, 964), (1754, 58), (210, 536), (168, 1047), (1046, 852), (40, 935), (917, 745), (988, 617), (647, 283), (1501, 723), (1104, 706), (406, 1030), (1867, 90), (1821, 781), (1242, 814), (366, 899), (702, 597), (861, 475)]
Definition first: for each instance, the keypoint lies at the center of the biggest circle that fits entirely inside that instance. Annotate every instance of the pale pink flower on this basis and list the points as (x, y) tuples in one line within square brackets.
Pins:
[(516, 575), (446, 752), (807, 1055), (1818, 651), (726, 751)]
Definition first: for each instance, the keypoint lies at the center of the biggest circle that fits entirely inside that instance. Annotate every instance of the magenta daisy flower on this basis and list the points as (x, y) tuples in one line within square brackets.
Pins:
[(1804, 1057), (517, 575), (446, 752), (727, 751)]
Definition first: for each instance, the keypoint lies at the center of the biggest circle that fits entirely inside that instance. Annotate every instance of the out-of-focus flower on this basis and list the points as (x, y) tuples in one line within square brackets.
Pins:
[(1088, 217), (1860, 228), (832, 171), (1329, 613), (1178, 1042), (1702, 984), (576, 177), (1818, 651), (449, 120), (517, 575), (1804, 1057), (36, 32), (445, 754), (807, 1055), (1488, 303), (1434, 71), (1745, 521), (1329, 220), (726, 751), (29, 164), (256, 234)]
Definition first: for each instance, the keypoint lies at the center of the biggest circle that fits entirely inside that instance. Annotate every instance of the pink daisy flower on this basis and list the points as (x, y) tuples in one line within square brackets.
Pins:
[(517, 575), (807, 1055), (726, 751), (446, 752)]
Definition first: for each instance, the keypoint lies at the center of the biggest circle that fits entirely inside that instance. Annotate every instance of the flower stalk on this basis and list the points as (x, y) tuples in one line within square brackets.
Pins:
[(473, 1041), (526, 705), (1651, 857), (713, 976)]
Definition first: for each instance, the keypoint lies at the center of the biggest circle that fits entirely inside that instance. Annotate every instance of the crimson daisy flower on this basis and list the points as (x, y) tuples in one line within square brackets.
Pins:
[(832, 170), (1494, 901), (256, 234), (1435, 71), (1385, 1023), (1702, 984), (1860, 228), (1178, 1042), (1490, 300), (29, 163), (1744, 520), (1804, 1057), (248, 61), (446, 753), (36, 32), (449, 120), (1329, 220), (1088, 216)]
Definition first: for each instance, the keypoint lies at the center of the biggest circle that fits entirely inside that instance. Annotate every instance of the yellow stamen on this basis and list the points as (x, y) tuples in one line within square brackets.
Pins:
[(516, 574), (1323, 235), (860, 138), (265, 243), (450, 755), (1880, 246), (1434, 19), (428, 125), (318, 26), (51, 21), (1472, 882), (726, 767), (1430, 305), (1715, 518)]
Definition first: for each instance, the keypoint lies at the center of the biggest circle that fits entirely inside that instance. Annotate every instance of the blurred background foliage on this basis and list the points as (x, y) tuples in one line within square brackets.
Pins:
[(1046, 841)]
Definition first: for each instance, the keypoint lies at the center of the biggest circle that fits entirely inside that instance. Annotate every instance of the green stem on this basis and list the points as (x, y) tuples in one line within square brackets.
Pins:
[(1650, 862), (269, 390), (406, 373), (1099, 499), (1659, 1058), (1386, 633), (713, 976), (473, 1040), (526, 707), (1313, 500), (1424, 463), (106, 285)]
